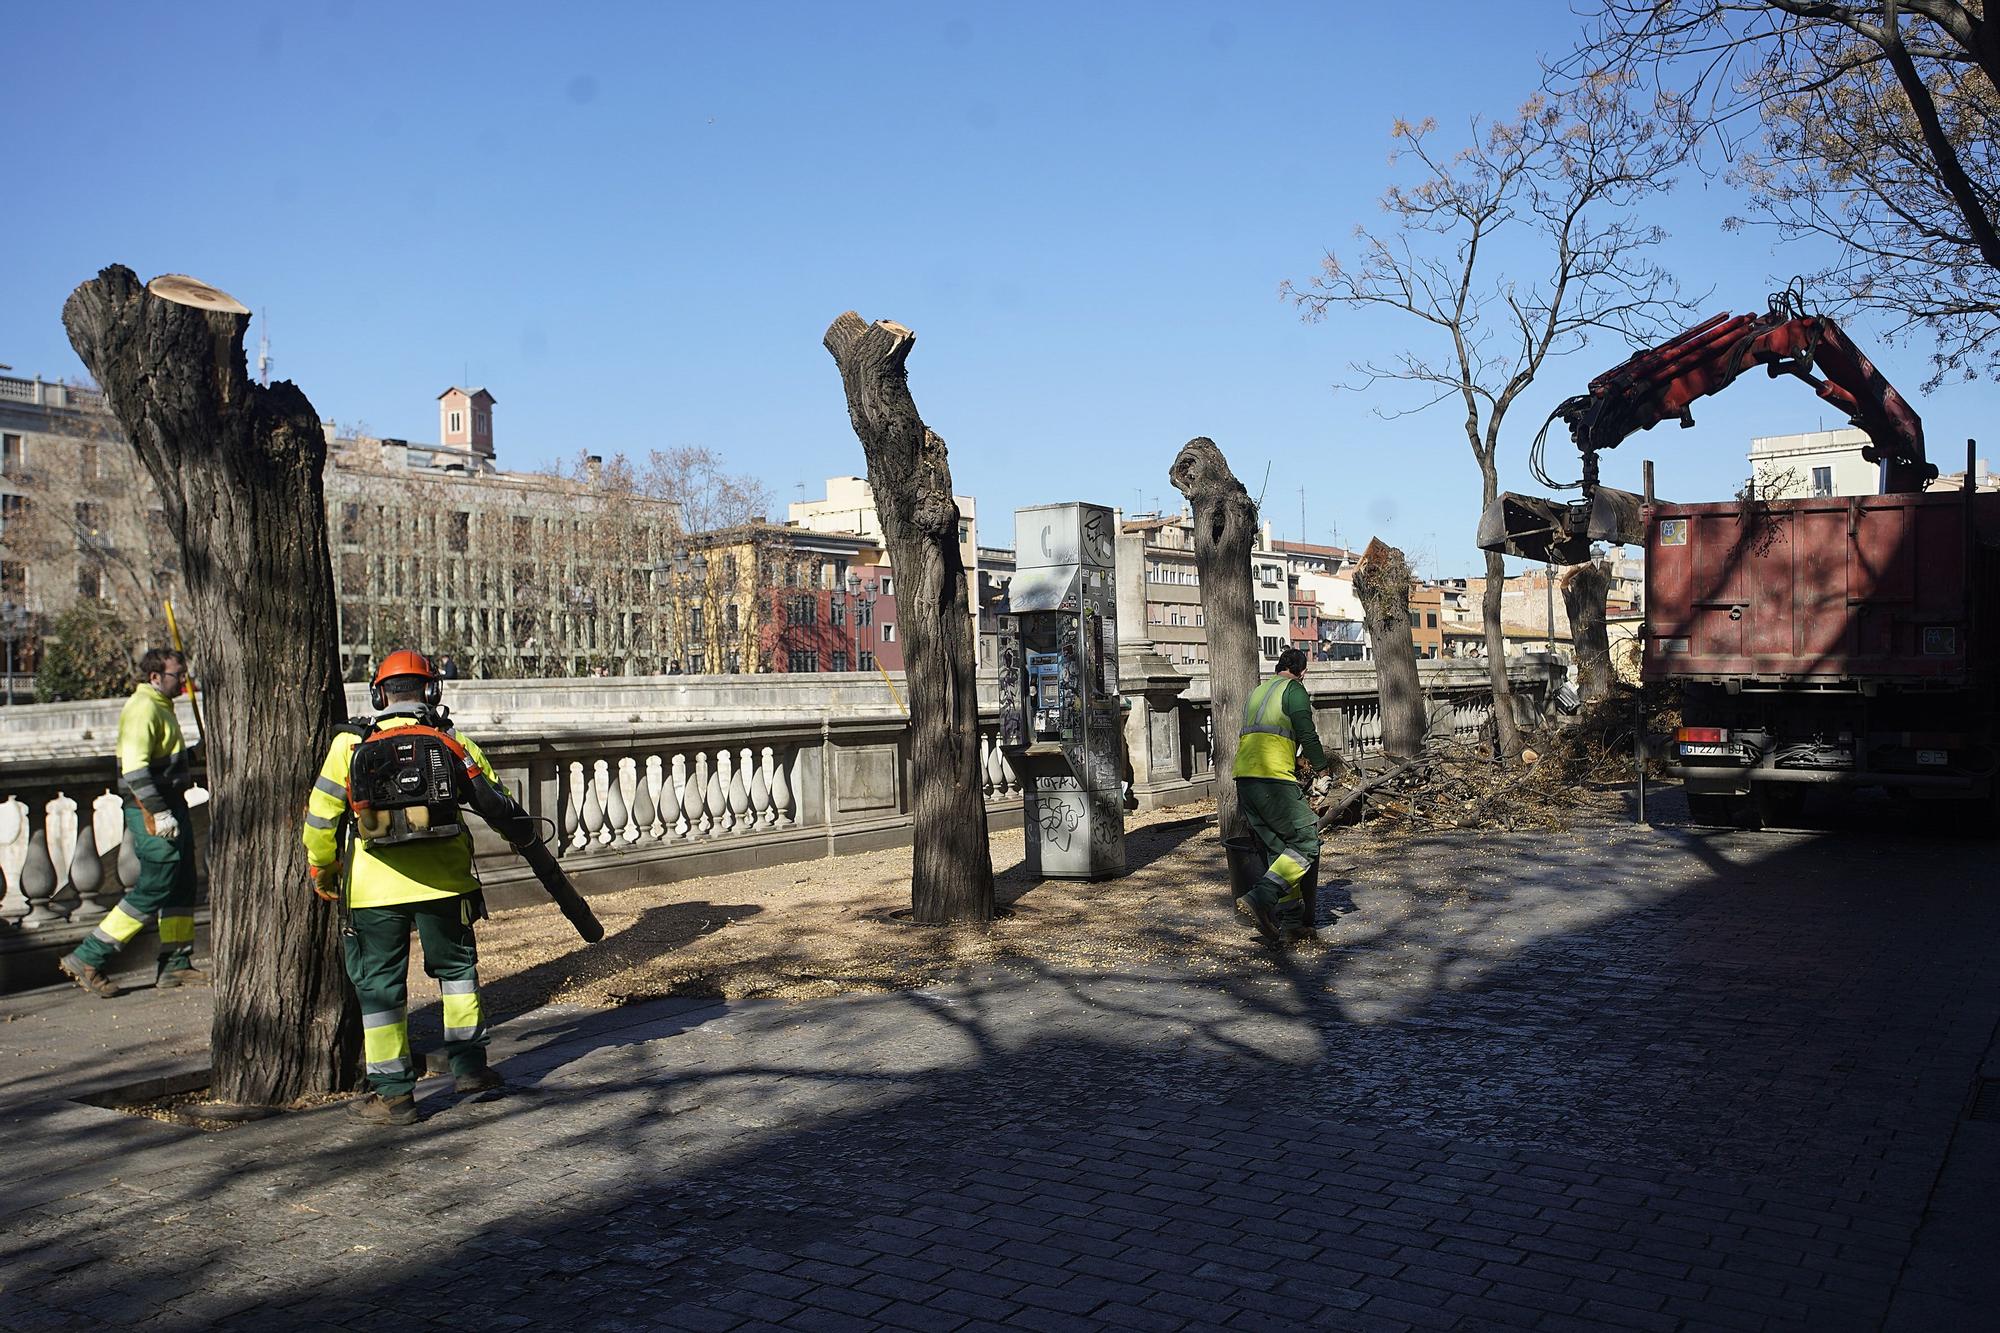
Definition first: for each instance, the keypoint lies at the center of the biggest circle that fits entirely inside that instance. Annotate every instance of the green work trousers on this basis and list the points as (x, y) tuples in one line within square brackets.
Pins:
[(1289, 832), (166, 886), (378, 963)]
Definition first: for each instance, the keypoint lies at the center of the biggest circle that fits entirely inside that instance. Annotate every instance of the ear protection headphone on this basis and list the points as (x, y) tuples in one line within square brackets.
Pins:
[(404, 662)]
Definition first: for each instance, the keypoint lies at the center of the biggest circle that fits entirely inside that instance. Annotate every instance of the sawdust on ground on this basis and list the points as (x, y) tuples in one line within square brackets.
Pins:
[(832, 926)]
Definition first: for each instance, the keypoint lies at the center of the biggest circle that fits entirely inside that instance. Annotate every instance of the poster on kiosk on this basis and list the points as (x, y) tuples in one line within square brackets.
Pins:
[(1061, 720)]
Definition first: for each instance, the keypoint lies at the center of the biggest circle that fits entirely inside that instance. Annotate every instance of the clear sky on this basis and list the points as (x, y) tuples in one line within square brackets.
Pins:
[(633, 223)]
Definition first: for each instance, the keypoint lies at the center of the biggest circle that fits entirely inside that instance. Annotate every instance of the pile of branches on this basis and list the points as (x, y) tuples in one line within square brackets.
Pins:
[(1452, 785), (1456, 785)]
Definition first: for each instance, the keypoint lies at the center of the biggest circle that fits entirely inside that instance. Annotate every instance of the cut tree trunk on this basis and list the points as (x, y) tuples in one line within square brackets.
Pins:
[(1382, 583), (952, 875), (1507, 730), (1584, 589), (238, 468), (1225, 528)]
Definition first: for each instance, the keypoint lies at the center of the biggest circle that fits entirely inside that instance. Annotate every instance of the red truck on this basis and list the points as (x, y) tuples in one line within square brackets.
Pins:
[(1816, 642)]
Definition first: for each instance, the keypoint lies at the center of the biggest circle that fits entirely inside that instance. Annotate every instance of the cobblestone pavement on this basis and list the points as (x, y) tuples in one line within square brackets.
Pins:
[(1645, 1079)]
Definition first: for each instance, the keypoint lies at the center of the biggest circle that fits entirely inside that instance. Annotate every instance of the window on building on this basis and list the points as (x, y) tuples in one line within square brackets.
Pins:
[(836, 613), (964, 533), (87, 460), (90, 531), (13, 456), (799, 611), (839, 662), (90, 582), (729, 617), (457, 422), (866, 662), (864, 614), (11, 508), (13, 578), (888, 633), (353, 624), (458, 531), (729, 569), (524, 533), (802, 660), (694, 620), (1430, 620), (888, 586), (480, 423), (350, 523), (1822, 481), (697, 662)]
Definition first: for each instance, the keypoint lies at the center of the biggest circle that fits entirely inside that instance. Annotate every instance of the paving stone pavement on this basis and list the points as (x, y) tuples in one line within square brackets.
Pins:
[(1635, 1079)]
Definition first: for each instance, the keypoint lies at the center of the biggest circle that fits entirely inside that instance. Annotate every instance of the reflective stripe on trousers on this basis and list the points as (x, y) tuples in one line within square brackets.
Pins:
[(463, 1018), (119, 925), (385, 1041)]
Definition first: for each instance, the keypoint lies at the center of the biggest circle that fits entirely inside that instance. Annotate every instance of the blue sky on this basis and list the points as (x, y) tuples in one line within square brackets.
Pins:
[(634, 222)]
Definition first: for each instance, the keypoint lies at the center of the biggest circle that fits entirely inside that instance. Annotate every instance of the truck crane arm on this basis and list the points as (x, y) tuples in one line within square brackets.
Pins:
[(1662, 382)]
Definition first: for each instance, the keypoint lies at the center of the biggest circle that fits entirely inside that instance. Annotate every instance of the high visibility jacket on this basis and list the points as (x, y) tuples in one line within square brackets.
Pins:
[(152, 758), (407, 872), (1277, 724)]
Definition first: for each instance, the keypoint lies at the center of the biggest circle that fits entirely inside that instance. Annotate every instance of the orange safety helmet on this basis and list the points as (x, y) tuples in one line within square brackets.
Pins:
[(405, 662)]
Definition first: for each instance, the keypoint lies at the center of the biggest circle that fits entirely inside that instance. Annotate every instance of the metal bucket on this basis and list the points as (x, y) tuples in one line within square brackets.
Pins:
[(1247, 864)]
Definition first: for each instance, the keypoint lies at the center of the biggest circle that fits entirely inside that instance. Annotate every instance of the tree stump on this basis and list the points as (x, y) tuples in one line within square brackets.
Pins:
[(238, 468), (1584, 589), (952, 871), (1225, 528), (1382, 583)]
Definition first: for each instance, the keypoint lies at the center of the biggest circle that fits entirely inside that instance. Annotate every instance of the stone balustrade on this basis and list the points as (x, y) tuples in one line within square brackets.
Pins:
[(805, 768)]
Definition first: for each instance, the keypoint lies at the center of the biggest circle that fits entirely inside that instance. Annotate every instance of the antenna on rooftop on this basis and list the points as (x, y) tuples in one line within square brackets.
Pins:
[(264, 349)]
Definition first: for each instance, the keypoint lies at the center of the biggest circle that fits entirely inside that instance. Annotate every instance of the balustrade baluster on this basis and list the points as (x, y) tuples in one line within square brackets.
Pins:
[(725, 770), (617, 810), (673, 802), (60, 822), (594, 824), (760, 789), (13, 854), (704, 801), (644, 819), (985, 767), (572, 814), (38, 884), (739, 795), (86, 876), (781, 795)]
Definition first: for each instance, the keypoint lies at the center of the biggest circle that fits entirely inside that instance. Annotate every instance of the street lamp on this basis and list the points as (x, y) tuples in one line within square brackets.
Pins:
[(14, 622)]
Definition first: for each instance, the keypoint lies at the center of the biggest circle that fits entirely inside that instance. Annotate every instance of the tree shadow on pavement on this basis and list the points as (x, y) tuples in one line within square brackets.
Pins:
[(1583, 1044)]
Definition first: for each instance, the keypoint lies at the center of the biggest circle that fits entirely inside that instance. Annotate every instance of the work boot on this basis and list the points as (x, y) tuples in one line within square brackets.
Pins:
[(483, 1079), (183, 976), (88, 977), (379, 1110), (1257, 903)]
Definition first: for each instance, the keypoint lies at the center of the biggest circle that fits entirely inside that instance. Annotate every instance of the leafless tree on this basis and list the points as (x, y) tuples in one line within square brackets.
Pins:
[(1872, 124), (952, 870), (1552, 194), (239, 469)]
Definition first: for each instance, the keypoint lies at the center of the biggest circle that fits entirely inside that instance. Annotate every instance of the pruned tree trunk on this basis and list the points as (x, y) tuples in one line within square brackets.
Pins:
[(1584, 589), (952, 874), (1225, 528), (1382, 584), (238, 468)]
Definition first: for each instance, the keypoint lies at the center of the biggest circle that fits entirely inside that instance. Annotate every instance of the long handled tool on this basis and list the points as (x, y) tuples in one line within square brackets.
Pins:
[(194, 697)]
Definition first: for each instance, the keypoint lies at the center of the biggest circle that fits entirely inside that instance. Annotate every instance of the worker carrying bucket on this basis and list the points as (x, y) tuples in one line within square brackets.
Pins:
[(1284, 858)]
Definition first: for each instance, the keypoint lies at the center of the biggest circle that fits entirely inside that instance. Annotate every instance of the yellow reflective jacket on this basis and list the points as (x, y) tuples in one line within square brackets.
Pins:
[(1277, 723), (407, 872), (152, 758)]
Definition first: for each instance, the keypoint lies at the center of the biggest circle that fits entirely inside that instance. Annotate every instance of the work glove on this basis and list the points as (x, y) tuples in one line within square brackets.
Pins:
[(325, 881), (165, 825)]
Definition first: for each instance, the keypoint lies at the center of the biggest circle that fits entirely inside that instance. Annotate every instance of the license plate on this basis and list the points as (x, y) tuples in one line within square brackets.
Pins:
[(1701, 747), (1938, 757)]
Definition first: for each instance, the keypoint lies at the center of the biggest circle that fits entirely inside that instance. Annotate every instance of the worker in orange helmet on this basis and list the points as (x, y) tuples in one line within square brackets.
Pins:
[(390, 883)]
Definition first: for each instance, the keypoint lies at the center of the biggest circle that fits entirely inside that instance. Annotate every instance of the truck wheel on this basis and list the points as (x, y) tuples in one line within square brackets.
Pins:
[(1780, 806), (1717, 810)]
